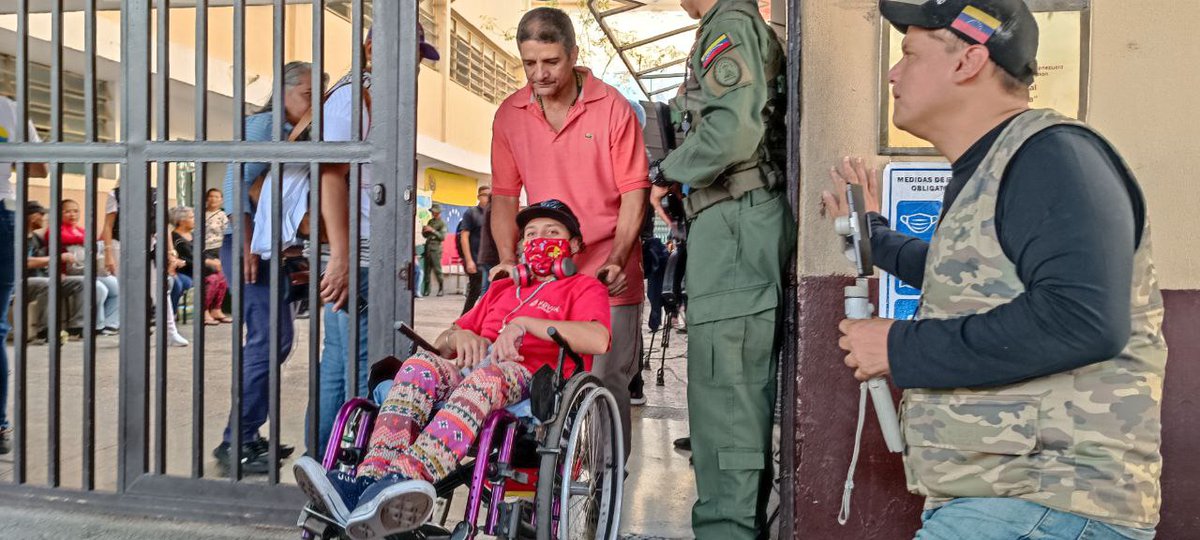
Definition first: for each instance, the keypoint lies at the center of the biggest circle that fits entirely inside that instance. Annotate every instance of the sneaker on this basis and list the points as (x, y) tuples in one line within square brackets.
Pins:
[(109, 331), (176, 340), (262, 446), (683, 443), (74, 334), (41, 338), (253, 462), (332, 493), (5, 441), (636, 396), (390, 506)]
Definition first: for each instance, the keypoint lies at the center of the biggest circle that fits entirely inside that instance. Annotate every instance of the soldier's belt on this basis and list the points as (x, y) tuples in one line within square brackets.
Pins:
[(731, 185)]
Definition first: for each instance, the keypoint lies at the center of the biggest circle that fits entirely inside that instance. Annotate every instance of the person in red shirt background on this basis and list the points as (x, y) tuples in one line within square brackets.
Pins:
[(73, 240), (503, 340), (569, 136)]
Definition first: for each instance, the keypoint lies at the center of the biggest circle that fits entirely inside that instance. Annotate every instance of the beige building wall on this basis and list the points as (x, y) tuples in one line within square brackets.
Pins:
[(1143, 77)]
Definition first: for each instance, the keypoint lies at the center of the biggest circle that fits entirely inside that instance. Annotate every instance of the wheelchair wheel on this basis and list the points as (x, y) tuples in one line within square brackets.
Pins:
[(582, 471)]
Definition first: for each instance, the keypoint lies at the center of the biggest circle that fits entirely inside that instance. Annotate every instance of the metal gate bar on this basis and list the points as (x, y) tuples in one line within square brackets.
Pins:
[(394, 145), (276, 286), (199, 238), (20, 291), (88, 481), (239, 240), (164, 242), (54, 235), (214, 151), (133, 445), (388, 150), (355, 193), (314, 201)]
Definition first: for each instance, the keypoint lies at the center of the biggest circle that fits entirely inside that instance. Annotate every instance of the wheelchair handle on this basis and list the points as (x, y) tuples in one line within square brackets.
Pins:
[(564, 350), (413, 336)]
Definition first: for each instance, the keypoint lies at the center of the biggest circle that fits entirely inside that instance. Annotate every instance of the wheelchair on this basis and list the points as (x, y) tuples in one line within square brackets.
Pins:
[(557, 477)]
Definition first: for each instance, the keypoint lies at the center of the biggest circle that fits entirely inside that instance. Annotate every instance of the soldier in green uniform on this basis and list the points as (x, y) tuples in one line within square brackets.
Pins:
[(728, 113), (434, 232)]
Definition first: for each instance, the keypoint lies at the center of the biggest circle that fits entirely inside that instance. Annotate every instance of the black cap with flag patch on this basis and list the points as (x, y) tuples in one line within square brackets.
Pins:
[(1006, 27), (553, 209)]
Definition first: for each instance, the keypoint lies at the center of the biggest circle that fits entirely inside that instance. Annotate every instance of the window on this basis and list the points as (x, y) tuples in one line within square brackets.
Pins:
[(479, 65), (429, 23), (73, 114)]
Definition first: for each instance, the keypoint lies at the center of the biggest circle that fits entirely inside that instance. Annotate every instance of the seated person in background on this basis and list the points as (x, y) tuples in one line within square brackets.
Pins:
[(184, 221), (73, 238), (38, 279), (504, 340)]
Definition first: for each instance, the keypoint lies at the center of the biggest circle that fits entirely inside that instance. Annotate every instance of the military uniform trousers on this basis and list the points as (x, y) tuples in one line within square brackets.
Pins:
[(431, 265), (733, 316)]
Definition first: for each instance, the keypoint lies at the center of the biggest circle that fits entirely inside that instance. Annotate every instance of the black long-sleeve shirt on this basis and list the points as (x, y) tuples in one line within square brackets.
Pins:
[(1070, 219)]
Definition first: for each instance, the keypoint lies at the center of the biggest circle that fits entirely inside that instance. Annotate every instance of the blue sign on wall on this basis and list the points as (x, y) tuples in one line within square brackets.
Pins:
[(912, 202)]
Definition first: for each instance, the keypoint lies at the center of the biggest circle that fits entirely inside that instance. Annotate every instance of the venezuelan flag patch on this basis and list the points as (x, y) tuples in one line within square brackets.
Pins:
[(718, 46), (976, 24)]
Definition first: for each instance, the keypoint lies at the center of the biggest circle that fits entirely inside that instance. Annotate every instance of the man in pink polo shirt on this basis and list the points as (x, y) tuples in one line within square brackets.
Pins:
[(569, 136)]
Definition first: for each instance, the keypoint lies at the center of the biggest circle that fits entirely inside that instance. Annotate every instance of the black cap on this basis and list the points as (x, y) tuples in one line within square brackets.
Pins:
[(553, 209), (34, 207), (1006, 27)]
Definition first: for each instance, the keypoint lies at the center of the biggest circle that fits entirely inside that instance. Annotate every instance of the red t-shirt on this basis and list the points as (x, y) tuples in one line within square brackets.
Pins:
[(596, 157), (72, 235), (580, 298)]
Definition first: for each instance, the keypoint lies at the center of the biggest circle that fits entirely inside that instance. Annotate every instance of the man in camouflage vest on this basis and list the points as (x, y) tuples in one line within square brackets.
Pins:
[(1033, 374), (741, 235)]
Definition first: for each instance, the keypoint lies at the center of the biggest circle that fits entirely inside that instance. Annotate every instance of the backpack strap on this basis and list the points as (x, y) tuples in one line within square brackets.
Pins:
[(305, 122)]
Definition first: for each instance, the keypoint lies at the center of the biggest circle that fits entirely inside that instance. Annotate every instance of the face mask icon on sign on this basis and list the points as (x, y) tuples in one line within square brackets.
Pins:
[(919, 223)]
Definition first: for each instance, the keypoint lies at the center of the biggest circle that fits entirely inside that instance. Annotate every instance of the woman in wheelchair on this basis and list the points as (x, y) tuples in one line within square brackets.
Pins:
[(484, 362)]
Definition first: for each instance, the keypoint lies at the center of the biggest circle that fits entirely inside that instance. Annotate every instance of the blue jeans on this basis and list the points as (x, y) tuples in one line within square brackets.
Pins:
[(484, 270), (256, 353), (654, 265), (335, 351), (7, 260), (1013, 519), (108, 302), (181, 282)]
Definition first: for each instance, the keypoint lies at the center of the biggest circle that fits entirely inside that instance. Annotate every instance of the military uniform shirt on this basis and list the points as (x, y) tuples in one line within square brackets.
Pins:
[(730, 127)]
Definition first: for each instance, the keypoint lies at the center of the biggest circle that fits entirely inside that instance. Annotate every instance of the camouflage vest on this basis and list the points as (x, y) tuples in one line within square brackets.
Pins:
[(765, 169), (1084, 441)]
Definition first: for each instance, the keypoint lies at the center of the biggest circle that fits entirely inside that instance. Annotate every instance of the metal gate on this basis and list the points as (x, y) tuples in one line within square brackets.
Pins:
[(144, 376)]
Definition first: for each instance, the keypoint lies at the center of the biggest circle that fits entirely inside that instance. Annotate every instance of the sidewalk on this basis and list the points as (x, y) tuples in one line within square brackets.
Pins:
[(659, 491)]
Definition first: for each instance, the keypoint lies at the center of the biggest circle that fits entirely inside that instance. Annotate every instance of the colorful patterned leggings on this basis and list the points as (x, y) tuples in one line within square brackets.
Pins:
[(442, 443)]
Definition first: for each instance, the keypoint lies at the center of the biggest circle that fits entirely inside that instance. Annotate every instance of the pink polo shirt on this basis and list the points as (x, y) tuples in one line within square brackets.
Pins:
[(598, 156)]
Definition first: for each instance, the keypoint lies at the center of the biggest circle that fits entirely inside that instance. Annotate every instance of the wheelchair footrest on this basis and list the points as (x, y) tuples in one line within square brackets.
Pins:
[(314, 522)]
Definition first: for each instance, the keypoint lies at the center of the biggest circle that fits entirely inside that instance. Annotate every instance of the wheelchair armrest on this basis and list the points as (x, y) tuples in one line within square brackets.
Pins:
[(564, 351)]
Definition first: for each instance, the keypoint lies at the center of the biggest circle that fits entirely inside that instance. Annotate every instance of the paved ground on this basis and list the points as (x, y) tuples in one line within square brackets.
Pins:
[(659, 491)]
